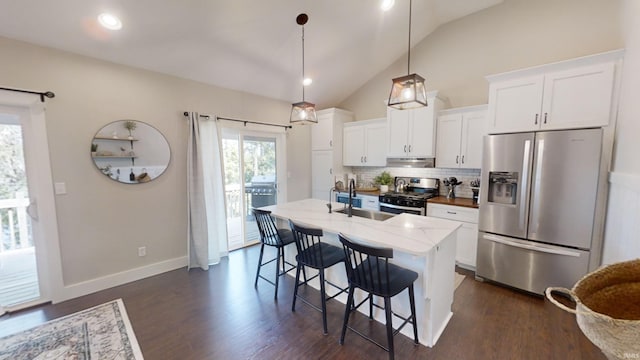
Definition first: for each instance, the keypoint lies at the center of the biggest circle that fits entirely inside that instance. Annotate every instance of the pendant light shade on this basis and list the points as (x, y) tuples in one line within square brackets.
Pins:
[(303, 112), (408, 91)]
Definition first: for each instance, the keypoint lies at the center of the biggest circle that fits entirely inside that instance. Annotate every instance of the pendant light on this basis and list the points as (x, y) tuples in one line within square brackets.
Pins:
[(303, 112), (408, 91)]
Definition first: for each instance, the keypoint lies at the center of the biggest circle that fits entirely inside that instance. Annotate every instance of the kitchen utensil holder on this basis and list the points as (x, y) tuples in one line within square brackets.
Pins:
[(475, 191)]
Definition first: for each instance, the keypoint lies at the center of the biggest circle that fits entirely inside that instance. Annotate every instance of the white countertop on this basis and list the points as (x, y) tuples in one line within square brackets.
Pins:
[(409, 233)]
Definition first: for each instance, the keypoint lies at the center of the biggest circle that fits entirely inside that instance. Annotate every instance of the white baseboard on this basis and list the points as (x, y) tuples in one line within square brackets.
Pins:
[(106, 282)]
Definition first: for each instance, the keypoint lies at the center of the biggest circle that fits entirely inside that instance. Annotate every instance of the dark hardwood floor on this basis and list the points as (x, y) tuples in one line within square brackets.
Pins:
[(219, 315)]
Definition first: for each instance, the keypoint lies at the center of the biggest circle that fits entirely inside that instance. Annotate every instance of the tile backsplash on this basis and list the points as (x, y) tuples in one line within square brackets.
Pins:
[(365, 176)]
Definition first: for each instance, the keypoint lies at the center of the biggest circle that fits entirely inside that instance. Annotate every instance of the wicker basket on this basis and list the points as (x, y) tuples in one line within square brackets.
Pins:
[(608, 308)]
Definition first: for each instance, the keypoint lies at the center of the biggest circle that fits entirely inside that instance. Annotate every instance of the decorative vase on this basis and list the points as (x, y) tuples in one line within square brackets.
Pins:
[(384, 188)]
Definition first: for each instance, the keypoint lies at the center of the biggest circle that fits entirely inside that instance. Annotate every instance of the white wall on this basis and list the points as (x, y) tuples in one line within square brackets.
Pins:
[(102, 222), (623, 214), (516, 34)]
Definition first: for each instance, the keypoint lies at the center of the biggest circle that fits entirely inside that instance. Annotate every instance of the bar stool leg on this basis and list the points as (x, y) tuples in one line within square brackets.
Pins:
[(255, 285), (412, 302), (323, 293), (347, 313), (387, 312), (370, 306), (275, 296), (295, 288)]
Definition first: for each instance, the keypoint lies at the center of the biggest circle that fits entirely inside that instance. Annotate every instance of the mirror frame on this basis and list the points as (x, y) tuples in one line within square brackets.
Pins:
[(118, 148)]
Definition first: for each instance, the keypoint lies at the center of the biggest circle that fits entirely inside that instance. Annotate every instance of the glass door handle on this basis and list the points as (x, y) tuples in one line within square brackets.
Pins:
[(32, 209)]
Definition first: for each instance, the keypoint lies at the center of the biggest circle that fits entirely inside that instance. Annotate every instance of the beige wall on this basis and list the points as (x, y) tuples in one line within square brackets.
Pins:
[(102, 222), (516, 34), (627, 145), (623, 212)]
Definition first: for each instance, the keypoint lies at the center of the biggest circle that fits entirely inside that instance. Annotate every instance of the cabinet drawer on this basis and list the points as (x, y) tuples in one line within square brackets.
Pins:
[(456, 213)]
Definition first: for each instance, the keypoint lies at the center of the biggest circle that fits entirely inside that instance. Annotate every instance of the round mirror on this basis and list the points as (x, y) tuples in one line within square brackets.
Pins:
[(130, 151)]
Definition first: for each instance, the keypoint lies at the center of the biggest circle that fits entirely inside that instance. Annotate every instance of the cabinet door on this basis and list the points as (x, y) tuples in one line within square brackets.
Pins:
[(353, 146), (422, 131), (448, 141), (467, 245), (578, 97), (467, 237), (397, 129), (376, 144), (515, 105), (473, 130), (322, 133), (321, 173), (370, 202)]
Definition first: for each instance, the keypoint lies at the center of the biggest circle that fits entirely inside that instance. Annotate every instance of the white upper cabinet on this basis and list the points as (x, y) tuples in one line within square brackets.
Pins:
[(570, 94), (365, 143), (459, 137), (411, 132), (578, 98), (514, 105), (328, 131)]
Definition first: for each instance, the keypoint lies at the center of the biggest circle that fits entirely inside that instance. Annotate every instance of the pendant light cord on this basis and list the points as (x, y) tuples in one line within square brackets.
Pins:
[(303, 63), (409, 51)]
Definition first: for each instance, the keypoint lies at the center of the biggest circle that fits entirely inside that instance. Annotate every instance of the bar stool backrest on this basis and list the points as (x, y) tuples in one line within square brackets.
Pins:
[(308, 244), (367, 266), (269, 234)]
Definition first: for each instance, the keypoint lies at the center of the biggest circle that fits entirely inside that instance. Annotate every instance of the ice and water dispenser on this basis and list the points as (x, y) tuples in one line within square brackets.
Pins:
[(503, 187)]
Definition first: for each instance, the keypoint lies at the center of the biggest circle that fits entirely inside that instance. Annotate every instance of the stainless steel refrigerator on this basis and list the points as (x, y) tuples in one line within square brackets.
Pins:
[(538, 205)]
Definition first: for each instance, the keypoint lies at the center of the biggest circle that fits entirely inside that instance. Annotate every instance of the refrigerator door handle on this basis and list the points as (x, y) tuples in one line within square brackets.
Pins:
[(530, 247), (525, 186), (535, 206)]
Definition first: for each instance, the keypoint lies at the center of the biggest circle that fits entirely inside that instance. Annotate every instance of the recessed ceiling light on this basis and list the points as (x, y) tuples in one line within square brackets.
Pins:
[(386, 5), (109, 21), (307, 81)]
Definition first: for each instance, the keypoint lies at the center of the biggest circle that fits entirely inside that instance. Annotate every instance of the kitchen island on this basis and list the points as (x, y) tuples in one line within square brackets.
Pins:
[(423, 244)]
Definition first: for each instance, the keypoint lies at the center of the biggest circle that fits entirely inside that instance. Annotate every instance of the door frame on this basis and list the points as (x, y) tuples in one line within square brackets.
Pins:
[(281, 155), (38, 166)]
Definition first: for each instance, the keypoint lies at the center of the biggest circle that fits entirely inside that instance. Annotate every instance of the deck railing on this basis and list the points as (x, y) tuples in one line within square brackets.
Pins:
[(14, 224)]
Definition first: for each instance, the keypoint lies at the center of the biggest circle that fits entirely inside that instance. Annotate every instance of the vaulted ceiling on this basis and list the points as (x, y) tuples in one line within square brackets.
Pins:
[(247, 45)]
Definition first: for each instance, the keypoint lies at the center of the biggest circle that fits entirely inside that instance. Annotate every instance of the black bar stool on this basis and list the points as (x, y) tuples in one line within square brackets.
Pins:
[(272, 236), (369, 269), (312, 252)]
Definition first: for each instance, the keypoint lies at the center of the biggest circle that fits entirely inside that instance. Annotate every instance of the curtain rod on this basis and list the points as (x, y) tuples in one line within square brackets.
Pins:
[(48, 94), (186, 113)]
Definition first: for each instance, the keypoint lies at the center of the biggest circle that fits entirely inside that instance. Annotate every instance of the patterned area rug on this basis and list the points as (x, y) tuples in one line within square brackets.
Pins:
[(101, 332)]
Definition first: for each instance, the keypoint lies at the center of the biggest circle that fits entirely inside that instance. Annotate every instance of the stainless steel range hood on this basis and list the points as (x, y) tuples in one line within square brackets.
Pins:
[(412, 162)]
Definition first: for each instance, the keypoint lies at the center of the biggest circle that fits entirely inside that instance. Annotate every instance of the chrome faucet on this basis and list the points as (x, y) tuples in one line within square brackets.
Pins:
[(352, 194)]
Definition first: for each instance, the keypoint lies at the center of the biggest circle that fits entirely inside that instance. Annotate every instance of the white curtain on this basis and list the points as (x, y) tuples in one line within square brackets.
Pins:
[(207, 224)]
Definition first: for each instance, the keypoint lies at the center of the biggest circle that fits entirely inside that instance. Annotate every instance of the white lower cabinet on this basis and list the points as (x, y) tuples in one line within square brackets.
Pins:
[(370, 202), (467, 234)]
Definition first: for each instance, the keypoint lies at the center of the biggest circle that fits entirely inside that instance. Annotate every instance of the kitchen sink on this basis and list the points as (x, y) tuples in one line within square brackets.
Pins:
[(368, 214)]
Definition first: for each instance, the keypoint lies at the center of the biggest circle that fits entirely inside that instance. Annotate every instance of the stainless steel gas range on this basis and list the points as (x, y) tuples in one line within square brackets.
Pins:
[(409, 196)]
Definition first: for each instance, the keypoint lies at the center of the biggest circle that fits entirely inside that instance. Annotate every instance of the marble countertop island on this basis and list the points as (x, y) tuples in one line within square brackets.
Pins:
[(409, 233), (424, 244)]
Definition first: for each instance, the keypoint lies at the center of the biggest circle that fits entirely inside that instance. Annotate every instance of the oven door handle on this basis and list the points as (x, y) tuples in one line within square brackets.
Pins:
[(392, 206)]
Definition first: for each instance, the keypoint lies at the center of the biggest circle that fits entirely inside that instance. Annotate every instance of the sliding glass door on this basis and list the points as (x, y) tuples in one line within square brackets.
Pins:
[(252, 163)]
